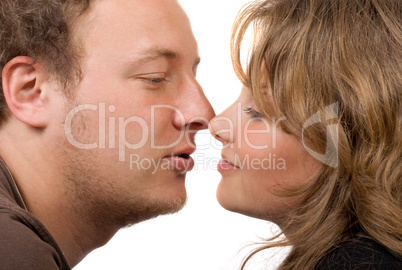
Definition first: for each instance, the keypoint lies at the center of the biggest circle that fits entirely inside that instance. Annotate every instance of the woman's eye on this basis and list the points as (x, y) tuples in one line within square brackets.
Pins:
[(253, 113)]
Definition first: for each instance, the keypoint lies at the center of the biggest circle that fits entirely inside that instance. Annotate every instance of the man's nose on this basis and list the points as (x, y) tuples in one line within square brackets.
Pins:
[(196, 111)]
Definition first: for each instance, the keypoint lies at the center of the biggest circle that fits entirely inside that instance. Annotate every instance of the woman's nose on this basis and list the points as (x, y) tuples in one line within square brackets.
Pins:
[(222, 128)]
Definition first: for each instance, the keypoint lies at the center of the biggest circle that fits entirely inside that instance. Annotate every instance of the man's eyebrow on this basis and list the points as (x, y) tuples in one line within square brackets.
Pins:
[(155, 53)]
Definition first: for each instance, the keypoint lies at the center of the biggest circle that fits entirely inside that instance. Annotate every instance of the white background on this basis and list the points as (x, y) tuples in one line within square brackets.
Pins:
[(203, 236)]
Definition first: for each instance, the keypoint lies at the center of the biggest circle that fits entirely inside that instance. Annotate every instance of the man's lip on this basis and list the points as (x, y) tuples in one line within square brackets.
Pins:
[(181, 164), (180, 160), (185, 152)]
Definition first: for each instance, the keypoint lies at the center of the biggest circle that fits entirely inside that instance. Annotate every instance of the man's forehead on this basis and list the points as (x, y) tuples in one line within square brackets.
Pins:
[(138, 7), (135, 15), (126, 33)]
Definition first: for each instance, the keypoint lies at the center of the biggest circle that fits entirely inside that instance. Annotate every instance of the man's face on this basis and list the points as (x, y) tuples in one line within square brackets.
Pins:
[(138, 54)]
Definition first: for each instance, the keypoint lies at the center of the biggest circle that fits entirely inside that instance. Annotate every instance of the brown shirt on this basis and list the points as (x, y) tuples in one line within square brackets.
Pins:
[(24, 242)]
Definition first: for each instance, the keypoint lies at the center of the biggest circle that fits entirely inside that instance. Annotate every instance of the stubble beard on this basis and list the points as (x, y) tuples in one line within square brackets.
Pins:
[(95, 199)]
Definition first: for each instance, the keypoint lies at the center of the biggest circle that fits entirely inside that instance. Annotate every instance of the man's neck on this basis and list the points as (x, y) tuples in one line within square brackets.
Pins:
[(42, 189)]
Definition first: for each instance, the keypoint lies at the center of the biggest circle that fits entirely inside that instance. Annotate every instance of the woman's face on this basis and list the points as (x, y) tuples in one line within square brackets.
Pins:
[(259, 159)]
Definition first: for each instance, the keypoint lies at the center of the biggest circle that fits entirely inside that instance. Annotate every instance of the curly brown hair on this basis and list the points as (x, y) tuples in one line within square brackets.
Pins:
[(317, 53), (41, 29)]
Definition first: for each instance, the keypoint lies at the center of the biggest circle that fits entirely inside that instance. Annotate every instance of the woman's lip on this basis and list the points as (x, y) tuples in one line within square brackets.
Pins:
[(224, 166), (180, 164)]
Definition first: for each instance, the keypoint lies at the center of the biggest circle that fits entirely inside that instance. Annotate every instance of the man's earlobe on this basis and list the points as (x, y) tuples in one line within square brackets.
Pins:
[(21, 80)]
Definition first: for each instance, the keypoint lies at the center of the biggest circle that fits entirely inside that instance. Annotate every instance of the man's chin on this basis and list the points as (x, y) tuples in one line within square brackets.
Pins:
[(150, 211)]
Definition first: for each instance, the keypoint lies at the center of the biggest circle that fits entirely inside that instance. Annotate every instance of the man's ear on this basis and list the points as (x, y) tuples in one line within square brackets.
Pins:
[(22, 86)]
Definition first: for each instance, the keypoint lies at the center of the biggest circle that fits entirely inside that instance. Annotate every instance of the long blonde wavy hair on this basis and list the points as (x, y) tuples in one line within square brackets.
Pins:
[(343, 52)]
